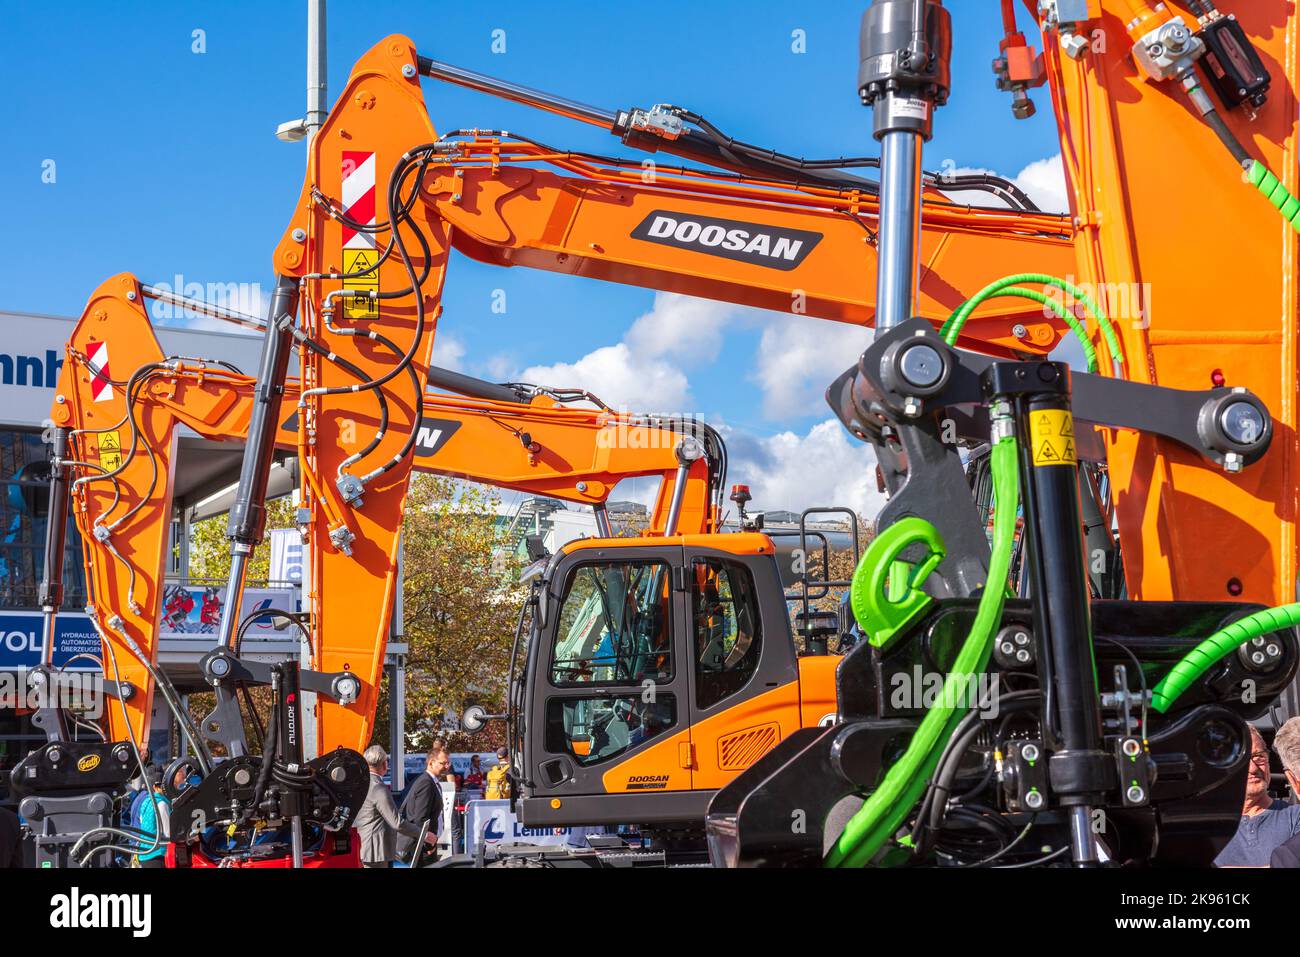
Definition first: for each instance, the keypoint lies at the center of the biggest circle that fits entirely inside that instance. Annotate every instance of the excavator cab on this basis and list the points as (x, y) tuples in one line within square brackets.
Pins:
[(656, 670)]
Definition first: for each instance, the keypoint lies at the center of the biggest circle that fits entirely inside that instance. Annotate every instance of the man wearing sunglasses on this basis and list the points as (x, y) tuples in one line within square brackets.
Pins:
[(1266, 823)]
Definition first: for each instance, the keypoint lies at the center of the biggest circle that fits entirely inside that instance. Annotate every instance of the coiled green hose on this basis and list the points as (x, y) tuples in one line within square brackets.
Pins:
[(1217, 647), (1263, 180), (886, 808), (953, 325), (1066, 315)]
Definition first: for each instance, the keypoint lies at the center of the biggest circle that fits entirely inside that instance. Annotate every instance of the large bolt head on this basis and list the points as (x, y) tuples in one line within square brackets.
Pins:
[(1242, 422), (1074, 45), (921, 365)]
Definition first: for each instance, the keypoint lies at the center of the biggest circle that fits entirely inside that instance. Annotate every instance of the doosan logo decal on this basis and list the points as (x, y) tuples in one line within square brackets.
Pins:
[(647, 782), (772, 246), (432, 435)]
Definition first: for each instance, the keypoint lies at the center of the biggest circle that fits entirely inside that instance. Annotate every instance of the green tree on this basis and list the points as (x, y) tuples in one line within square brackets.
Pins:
[(461, 600), (210, 552)]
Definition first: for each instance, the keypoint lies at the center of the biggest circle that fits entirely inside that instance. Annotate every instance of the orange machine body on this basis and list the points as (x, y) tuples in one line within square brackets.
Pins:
[(1199, 273), (489, 198), (574, 454), (503, 201)]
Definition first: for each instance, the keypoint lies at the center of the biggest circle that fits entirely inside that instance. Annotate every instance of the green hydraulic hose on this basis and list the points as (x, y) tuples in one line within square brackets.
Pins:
[(886, 808), (1070, 319), (1263, 180), (1218, 646), (952, 326)]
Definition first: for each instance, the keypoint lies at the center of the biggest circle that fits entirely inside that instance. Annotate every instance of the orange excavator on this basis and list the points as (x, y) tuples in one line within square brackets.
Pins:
[(1094, 730), (364, 270), (360, 274)]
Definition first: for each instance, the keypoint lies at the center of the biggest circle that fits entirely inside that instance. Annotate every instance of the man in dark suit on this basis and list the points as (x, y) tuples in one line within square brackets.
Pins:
[(423, 801)]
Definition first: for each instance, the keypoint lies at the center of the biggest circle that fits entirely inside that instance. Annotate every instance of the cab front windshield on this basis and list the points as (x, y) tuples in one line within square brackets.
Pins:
[(614, 625)]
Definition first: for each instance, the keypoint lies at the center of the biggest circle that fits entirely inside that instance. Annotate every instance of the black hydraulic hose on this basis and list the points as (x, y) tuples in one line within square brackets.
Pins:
[(353, 370), (934, 805), (264, 772), (767, 159), (1220, 127), (417, 281)]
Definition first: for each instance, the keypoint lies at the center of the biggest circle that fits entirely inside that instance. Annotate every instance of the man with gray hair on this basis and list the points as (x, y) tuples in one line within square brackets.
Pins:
[(377, 822), (1287, 746), (1265, 823)]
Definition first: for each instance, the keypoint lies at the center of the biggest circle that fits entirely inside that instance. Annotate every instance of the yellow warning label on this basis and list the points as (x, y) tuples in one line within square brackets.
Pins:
[(359, 265), (110, 450), (1052, 437)]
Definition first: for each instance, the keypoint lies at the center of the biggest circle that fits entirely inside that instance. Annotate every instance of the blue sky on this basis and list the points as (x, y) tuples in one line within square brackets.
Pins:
[(166, 163)]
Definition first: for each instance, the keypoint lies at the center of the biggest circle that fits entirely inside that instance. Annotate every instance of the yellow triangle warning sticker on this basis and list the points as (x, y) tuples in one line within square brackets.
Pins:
[(361, 276), (1052, 437)]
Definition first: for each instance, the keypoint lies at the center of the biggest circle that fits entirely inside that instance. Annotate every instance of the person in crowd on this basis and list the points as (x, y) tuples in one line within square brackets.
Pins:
[(140, 792), (423, 801), (11, 840), (1287, 746), (498, 779), (377, 822), (1265, 823), (474, 777), (155, 823)]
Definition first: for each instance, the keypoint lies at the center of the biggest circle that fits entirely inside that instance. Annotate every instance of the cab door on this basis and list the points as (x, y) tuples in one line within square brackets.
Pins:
[(743, 673), (608, 692)]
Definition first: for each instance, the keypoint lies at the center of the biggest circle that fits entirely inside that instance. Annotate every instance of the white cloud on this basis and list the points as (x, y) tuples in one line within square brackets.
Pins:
[(1043, 180), (645, 370), (683, 327), (448, 351), (798, 356), (788, 471), (620, 377)]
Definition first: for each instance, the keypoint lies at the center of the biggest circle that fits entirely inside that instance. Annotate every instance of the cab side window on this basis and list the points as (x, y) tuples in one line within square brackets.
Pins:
[(727, 629), (615, 626), (591, 730)]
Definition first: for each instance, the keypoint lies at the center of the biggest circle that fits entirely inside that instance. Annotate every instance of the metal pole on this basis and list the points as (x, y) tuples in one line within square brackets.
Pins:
[(602, 521), (397, 679), (516, 93), (248, 514), (50, 716), (898, 268), (317, 79), (689, 450), (202, 308), (56, 523), (675, 503), (903, 76), (1062, 614)]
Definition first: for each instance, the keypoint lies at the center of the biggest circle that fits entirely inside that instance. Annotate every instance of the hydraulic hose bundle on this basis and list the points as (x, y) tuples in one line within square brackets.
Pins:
[(1010, 286), (887, 807)]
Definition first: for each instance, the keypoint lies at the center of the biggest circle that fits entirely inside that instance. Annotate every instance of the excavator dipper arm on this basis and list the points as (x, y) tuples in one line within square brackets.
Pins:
[(122, 435)]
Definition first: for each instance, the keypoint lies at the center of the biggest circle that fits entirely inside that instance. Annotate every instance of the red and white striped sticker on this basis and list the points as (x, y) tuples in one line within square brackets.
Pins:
[(358, 197), (101, 386)]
